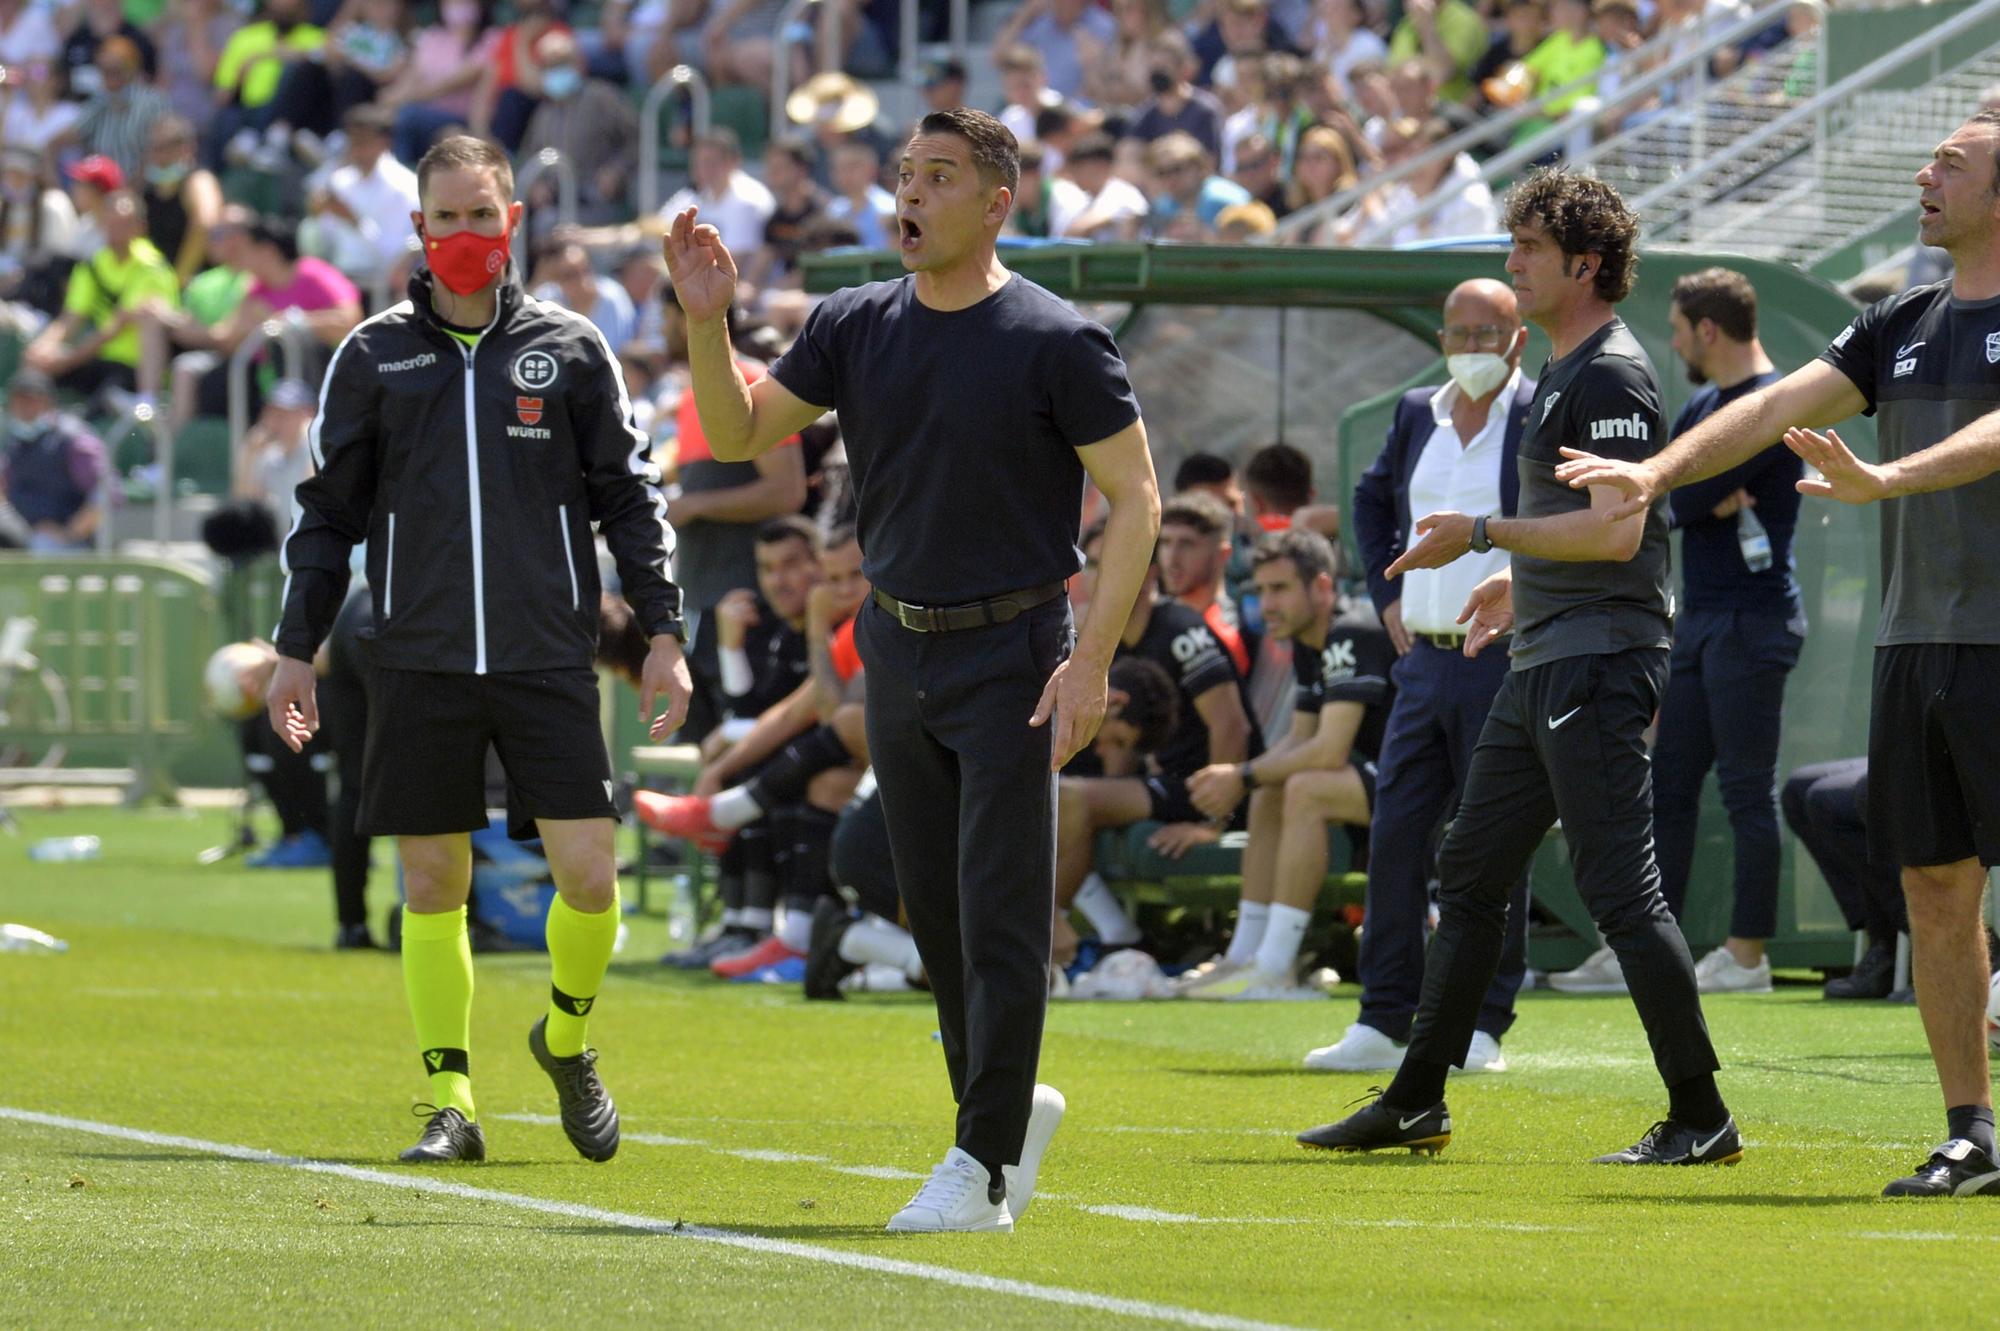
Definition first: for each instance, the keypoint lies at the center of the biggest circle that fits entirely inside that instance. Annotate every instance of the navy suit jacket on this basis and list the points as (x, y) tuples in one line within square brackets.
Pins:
[(1382, 497)]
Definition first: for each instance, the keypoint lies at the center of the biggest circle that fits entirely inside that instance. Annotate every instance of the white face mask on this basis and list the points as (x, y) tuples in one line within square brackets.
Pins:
[(1478, 373)]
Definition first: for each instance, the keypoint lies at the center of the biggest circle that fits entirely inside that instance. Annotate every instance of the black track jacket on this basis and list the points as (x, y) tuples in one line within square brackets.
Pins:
[(474, 475)]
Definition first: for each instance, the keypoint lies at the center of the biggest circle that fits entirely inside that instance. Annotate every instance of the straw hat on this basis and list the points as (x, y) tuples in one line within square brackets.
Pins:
[(834, 101)]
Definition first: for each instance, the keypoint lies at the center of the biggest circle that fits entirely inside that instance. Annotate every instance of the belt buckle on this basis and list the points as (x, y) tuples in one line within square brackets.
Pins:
[(917, 618)]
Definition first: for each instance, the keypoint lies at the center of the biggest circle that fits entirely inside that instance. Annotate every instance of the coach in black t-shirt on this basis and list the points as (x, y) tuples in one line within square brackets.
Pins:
[(972, 403), (1927, 364), (1587, 600)]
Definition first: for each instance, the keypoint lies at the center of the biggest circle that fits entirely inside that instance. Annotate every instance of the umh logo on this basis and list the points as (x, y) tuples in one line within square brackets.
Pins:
[(1621, 427)]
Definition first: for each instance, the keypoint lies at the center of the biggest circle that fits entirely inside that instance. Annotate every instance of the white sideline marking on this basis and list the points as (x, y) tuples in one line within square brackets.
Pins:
[(413, 1182), (1147, 1215), (1922, 1236), (886, 1171)]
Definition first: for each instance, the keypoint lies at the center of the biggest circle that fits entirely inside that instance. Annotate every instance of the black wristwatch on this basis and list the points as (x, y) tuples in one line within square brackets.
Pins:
[(1481, 542)]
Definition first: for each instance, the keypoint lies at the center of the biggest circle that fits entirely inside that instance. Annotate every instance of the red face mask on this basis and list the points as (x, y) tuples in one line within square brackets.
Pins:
[(466, 261)]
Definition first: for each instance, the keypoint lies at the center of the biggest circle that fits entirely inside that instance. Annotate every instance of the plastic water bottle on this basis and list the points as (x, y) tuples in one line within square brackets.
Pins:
[(1753, 540), (20, 938), (64, 849), (681, 910)]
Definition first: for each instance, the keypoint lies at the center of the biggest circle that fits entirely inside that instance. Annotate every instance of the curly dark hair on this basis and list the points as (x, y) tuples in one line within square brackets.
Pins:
[(1583, 215), (1151, 706)]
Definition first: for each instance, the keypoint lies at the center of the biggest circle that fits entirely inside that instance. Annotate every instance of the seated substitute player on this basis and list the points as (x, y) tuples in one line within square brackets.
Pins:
[(1323, 772), (472, 435), (749, 652), (1214, 728), (1194, 551)]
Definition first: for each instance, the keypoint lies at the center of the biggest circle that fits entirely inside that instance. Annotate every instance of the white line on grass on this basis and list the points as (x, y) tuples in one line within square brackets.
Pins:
[(411, 1182), (1922, 1236)]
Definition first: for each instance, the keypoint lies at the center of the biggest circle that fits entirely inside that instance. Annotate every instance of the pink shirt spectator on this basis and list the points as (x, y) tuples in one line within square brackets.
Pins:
[(438, 53), (315, 285)]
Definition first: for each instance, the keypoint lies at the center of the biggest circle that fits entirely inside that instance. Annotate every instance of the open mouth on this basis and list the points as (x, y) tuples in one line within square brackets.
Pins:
[(912, 233), (1930, 209)]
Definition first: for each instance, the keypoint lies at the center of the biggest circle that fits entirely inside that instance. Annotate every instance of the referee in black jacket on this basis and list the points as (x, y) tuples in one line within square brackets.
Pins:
[(471, 436), (973, 403)]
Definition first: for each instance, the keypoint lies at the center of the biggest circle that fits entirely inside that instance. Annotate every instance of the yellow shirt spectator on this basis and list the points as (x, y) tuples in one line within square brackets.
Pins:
[(1560, 60), (249, 66), (1464, 37), (104, 284)]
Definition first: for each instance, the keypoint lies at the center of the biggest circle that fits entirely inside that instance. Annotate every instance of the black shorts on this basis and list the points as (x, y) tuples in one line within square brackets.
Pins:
[(1934, 755), (424, 773)]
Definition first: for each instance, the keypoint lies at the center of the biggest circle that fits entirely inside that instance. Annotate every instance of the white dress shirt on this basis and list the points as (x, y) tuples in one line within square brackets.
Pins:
[(1454, 476), (382, 200), (739, 212)]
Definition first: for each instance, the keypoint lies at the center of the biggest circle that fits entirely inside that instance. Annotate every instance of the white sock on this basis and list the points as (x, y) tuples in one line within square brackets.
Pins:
[(1243, 944), (732, 918), (757, 919), (1106, 916), (795, 929), (872, 940), (1279, 951), (734, 808)]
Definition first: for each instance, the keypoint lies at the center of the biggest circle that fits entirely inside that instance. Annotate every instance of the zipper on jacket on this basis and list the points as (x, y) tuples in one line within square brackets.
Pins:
[(569, 556), (389, 572), (478, 535)]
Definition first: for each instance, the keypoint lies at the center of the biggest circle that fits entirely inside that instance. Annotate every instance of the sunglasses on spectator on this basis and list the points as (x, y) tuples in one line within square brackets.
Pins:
[(1488, 337)]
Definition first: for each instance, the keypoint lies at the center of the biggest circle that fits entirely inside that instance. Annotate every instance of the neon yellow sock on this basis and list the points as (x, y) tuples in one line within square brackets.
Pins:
[(579, 950), (437, 975)]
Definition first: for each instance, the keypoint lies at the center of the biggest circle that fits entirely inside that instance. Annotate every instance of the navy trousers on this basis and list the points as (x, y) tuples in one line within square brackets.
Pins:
[(1826, 805), (1442, 699)]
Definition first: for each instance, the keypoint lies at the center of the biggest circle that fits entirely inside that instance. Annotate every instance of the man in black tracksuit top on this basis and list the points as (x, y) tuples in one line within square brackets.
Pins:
[(1565, 739), (471, 436)]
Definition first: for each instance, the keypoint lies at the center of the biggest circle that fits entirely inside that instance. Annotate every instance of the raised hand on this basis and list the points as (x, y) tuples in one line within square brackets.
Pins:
[(1447, 536), (1635, 480), (703, 270), (1842, 475), (1489, 612)]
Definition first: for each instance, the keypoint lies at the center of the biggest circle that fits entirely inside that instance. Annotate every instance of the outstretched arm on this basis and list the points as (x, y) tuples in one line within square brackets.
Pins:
[(1971, 454)]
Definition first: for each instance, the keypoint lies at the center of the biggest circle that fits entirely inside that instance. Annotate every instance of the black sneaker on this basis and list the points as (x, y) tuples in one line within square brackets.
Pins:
[(1956, 1169), (1379, 1127), (353, 938), (1672, 1143), (1872, 977), (724, 944), (588, 1116), (448, 1136), (825, 967)]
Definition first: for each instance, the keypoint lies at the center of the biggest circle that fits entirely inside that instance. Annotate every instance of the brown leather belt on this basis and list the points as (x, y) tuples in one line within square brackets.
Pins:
[(972, 615)]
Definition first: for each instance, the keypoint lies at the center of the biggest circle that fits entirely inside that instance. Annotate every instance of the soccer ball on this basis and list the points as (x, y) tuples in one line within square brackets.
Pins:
[(1993, 1011), (225, 677)]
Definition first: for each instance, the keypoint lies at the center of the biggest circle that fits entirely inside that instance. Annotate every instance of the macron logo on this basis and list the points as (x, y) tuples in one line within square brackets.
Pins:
[(413, 363), (1622, 427)]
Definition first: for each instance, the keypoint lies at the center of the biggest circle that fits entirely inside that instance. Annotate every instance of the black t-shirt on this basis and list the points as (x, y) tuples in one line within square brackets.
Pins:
[(785, 233), (1353, 666), (778, 663), (961, 429), (79, 56), (1714, 575), (1929, 365), (1601, 397), (1180, 642)]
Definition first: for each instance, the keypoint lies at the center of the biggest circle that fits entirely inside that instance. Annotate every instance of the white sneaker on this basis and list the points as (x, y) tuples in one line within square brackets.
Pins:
[(1257, 986), (1720, 973), (1190, 984), (1600, 973), (1362, 1049), (1043, 1120), (953, 1199), (1483, 1056)]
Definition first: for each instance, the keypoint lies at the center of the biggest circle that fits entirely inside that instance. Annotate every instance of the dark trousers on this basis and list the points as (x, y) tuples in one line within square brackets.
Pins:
[(1725, 700), (1565, 740), (1441, 704), (294, 782), (1826, 806), (970, 804), (863, 859), (343, 711), (310, 96)]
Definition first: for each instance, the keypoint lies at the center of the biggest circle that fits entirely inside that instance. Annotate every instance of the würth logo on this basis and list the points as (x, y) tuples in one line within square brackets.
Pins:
[(1621, 427), (529, 409)]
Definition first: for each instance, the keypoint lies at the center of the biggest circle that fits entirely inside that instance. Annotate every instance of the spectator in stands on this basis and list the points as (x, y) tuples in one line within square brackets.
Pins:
[(191, 36), (28, 34), (118, 119), (1325, 168), (797, 202), (37, 228), (1281, 112), (272, 458), (1024, 82), (1241, 223), (51, 468), (1501, 78), (1064, 33), (1570, 55), (944, 84), (1340, 38), (642, 272), (567, 278), (247, 76), (1469, 209), (436, 87), (183, 198), (1241, 29), (590, 122), (1257, 172), (1826, 807), (859, 198), (37, 113), (1449, 35), (93, 346), (1106, 207), (738, 42), (510, 86), (1414, 85), (1033, 194), (366, 51), (1118, 73), (730, 199), (91, 181), (1322, 772), (1056, 127), (98, 21), (1191, 194), (200, 379), (359, 220), (1175, 103)]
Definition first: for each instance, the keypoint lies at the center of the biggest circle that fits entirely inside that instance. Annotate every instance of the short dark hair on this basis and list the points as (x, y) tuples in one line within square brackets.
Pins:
[(1152, 705), (1311, 554), (1200, 510), (369, 119), (791, 527), (996, 155), (1054, 120), (1281, 476), (621, 643), (794, 147), (1583, 215), (1093, 146), (1721, 295), (464, 152), (1989, 116), (720, 136), (284, 239), (1201, 469)]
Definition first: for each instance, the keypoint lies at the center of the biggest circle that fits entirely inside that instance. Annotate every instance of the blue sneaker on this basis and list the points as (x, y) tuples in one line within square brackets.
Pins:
[(307, 850), (792, 970)]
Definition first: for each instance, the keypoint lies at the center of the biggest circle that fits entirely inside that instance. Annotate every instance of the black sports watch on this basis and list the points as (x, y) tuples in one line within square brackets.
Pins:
[(1481, 542)]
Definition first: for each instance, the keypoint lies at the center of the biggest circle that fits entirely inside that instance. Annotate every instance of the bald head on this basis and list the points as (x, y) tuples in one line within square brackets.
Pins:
[(1482, 301)]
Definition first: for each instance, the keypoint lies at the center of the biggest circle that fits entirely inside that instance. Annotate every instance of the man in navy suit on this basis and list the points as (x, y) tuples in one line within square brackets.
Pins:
[(1450, 449)]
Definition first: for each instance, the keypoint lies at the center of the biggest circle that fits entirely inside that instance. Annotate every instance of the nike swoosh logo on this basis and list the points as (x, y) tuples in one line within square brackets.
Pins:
[(1701, 1148), (1405, 1124), (1904, 351), (1555, 722)]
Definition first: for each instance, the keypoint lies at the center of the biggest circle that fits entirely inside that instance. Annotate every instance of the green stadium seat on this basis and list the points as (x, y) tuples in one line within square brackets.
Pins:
[(201, 456), (745, 110), (1207, 877)]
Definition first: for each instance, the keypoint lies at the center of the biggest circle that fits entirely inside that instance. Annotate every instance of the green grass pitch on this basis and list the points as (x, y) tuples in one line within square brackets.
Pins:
[(201, 1023)]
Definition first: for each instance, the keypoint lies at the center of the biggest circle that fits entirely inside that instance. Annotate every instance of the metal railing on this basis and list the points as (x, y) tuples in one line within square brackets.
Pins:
[(543, 162), (830, 51), (289, 332), (140, 415), (680, 76)]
